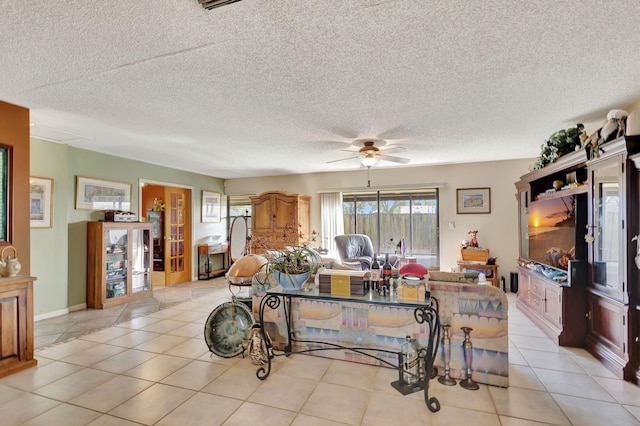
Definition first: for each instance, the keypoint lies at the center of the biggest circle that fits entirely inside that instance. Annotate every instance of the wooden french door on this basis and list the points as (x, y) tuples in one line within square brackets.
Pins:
[(177, 235)]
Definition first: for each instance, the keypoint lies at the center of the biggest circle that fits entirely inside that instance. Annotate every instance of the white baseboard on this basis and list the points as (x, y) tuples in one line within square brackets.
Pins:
[(80, 307)]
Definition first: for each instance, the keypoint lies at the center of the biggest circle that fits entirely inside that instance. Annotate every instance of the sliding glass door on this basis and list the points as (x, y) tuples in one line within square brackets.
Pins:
[(389, 217)]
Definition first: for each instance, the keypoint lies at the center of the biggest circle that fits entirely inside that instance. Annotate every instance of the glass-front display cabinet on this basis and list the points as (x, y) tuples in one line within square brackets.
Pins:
[(608, 225), (119, 263), (612, 225)]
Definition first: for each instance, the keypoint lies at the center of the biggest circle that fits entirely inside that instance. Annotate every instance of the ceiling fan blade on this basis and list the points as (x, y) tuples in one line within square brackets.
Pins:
[(393, 150), (343, 159), (393, 159)]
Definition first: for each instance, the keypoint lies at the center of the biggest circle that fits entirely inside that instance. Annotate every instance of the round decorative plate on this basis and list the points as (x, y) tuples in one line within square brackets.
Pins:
[(227, 329)]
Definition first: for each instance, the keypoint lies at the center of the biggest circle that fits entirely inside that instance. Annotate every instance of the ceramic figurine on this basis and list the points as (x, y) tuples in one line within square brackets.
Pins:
[(614, 127), (474, 241)]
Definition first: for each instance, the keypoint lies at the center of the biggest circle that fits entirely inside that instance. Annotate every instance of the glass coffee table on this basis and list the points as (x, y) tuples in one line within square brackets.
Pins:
[(424, 313)]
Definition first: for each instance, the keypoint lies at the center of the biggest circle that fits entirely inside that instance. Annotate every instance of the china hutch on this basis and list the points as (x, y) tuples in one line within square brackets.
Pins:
[(577, 277), (119, 263), (279, 219), (156, 218)]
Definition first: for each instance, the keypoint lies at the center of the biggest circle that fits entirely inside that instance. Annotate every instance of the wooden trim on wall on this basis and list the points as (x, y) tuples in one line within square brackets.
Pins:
[(14, 132)]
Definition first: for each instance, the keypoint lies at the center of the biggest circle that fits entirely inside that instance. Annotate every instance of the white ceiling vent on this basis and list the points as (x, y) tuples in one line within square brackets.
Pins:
[(55, 135), (212, 4)]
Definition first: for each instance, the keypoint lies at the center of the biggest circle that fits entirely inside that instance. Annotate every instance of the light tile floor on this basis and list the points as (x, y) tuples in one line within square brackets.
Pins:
[(147, 363)]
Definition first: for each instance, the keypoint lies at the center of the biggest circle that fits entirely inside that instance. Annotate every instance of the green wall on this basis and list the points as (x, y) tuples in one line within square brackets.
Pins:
[(50, 245), (63, 249)]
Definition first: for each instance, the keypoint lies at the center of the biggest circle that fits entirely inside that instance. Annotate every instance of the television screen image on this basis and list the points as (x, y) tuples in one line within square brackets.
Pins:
[(552, 231)]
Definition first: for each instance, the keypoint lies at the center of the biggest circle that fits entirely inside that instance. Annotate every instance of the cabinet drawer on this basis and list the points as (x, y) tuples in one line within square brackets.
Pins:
[(536, 303), (537, 287)]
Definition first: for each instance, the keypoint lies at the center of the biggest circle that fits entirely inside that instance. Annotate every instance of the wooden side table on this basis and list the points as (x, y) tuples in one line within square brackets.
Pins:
[(490, 271), (205, 267)]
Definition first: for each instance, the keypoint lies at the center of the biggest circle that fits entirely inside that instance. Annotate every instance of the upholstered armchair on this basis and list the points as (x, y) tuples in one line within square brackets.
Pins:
[(354, 248)]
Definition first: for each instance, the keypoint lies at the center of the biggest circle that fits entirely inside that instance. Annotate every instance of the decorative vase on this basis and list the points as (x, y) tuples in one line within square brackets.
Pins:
[(291, 281), (468, 383), (446, 349)]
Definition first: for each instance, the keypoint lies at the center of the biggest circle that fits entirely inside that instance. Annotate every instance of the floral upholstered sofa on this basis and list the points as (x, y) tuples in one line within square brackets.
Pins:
[(462, 303)]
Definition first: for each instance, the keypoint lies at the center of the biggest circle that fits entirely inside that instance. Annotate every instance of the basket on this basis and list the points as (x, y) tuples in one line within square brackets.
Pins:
[(475, 254)]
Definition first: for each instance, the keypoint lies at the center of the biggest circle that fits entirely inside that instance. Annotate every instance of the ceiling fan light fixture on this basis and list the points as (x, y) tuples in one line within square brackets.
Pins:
[(369, 160)]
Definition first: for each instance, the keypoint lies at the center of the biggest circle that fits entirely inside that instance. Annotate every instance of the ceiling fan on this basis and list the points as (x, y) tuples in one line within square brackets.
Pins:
[(369, 154)]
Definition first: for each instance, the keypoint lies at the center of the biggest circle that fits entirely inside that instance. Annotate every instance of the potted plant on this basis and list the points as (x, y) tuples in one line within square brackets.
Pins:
[(292, 266)]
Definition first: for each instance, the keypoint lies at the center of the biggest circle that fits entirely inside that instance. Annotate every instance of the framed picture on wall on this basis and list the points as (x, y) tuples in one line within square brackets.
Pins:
[(210, 206), (473, 200), (40, 202), (99, 194)]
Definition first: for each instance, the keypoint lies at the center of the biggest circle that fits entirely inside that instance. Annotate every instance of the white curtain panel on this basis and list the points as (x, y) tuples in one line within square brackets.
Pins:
[(332, 219)]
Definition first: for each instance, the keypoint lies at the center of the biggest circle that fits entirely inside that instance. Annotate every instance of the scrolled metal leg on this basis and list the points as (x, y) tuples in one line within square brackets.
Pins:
[(272, 302), (429, 315)]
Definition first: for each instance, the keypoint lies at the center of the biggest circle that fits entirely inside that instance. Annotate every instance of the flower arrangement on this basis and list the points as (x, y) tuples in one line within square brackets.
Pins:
[(158, 205)]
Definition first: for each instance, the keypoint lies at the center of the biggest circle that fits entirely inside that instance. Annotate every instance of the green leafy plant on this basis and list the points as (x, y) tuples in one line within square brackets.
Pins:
[(560, 143), (290, 261)]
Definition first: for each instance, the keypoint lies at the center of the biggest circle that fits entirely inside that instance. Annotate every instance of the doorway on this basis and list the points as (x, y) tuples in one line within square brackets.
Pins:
[(169, 209)]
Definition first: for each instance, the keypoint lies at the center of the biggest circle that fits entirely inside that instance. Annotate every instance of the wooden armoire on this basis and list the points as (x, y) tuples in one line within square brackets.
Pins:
[(279, 219)]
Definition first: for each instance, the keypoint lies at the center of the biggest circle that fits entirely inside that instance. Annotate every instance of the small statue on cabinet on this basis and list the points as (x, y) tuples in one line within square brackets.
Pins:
[(474, 240)]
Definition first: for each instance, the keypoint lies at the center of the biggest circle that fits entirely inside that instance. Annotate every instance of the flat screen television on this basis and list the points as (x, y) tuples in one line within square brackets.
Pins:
[(552, 231)]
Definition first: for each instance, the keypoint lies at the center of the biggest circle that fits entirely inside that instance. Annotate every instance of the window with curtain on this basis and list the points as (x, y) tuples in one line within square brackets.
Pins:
[(238, 205), (389, 217)]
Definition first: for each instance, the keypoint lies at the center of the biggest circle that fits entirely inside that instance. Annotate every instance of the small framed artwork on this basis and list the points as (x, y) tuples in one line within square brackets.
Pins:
[(41, 202), (99, 194), (210, 206), (473, 200)]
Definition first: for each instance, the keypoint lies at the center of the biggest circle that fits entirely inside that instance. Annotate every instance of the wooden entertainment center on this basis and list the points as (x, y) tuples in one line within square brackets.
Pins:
[(597, 306)]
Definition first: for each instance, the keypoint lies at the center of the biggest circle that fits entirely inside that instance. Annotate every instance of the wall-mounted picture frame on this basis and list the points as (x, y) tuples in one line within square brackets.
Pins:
[(211, 207), (100, 194), (473, 200), (41, 202)]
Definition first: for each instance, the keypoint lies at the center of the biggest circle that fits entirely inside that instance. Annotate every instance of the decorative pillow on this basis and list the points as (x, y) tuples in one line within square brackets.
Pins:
[(457, 277)]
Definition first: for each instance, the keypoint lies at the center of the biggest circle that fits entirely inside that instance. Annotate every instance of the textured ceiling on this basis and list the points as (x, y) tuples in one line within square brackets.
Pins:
[(266, 87)]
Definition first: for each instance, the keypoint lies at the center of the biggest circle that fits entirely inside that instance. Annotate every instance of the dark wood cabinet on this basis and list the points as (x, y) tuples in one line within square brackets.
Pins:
[(558, 310), (609, 332), (157, 221), (613, 288), (599, 307)]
